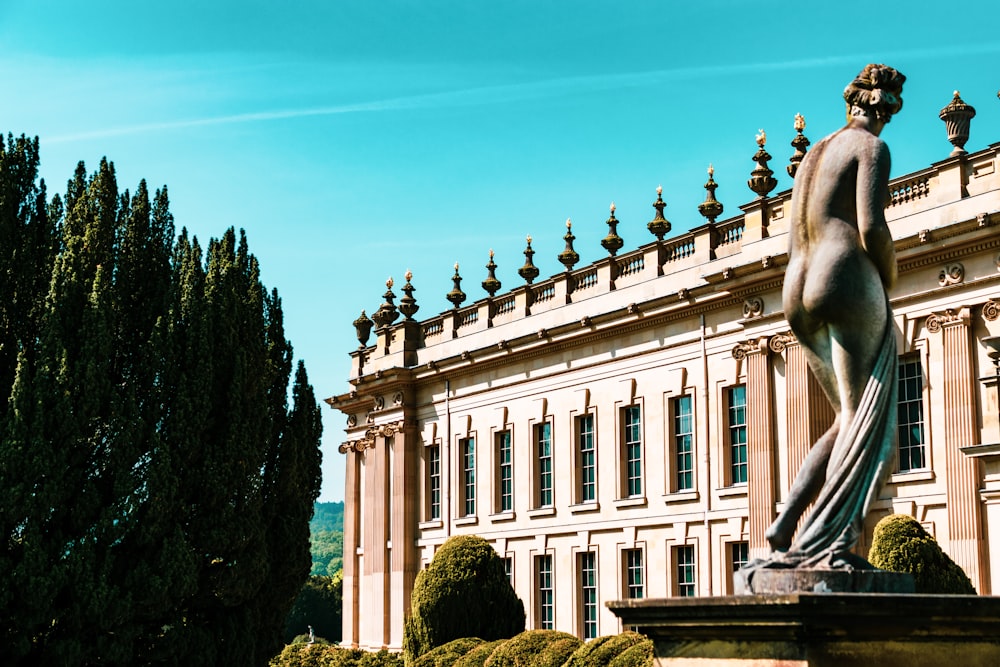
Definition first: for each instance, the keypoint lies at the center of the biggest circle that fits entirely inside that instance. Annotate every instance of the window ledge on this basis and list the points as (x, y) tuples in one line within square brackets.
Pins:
[(584, 507), (912, 476), (638, 501), (541, 511), (430, 525), (502, 516), (467, 521), (736, 490), (681, 497)]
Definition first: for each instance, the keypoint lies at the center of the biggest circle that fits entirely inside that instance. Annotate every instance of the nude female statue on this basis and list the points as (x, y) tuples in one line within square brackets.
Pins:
[(841, 262)]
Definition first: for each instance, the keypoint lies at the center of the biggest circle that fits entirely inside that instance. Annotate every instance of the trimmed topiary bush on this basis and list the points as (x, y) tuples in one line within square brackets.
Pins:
[(599, 652), (638, 655), (446, 654), (464, 592), (900, 544), (478, 656), (327, 655), (532, 649)]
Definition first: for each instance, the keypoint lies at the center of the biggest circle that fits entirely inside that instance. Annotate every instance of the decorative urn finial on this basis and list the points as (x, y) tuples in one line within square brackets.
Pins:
[(491, 284), (386, 313), (363, 327), (659, 226), (569, 257), (800, 144), (711, 208), (408, 305), (957, 116), (612, 242), (456, 295), (529, 271), (762, 179)]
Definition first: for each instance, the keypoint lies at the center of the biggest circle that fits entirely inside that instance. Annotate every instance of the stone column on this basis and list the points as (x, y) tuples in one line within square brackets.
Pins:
[(352, 526), (404, 558), (760, 443), (375, 578), (962, 474), (810, 413)]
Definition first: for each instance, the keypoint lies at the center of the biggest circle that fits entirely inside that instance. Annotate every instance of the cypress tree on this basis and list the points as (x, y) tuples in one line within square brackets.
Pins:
[(155, 485)]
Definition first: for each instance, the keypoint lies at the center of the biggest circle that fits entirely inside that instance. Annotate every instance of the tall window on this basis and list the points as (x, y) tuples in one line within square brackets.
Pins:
[(543, 449), (684, 557), (586, 459), (434, 482), (508, 569), (683, 444), (632, 560), (632, 449), (588, 594), (737, 408), (546, 593), (467, 446), (505, 472), (910, 415)]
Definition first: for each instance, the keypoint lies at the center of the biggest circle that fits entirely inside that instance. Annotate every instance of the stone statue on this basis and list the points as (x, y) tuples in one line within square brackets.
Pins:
[(841, 262)]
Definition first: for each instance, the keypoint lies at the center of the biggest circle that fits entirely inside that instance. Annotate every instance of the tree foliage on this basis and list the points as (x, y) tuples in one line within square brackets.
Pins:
[(900, 544), (155, 485), (464, 592), (318, 605)]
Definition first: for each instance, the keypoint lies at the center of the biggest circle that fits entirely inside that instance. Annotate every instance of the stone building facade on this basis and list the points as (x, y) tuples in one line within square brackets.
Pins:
[(630, 428)]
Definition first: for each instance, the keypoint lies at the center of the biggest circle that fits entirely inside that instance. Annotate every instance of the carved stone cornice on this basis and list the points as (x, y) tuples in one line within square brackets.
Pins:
[(368, 441), (778, 342), (950, 317), (991, 310), (753, 307)]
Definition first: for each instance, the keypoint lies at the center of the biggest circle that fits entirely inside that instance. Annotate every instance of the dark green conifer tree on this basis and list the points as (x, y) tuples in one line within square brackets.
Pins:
[(155, 485)]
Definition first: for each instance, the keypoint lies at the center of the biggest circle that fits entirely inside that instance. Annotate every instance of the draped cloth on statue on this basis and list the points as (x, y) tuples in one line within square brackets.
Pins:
[(861, 461)]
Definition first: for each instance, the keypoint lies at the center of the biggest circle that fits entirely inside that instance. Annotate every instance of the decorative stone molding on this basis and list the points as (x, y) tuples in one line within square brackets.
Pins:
[(951, 274), (368, 441), (397, 398), (352, 421), (753, 307), (779, 342), (937, 321), (379, 404), (991, 310), (746, 348), (683, 294)]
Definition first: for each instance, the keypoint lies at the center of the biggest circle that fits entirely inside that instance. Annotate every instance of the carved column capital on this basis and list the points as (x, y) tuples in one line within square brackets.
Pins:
[(750, 347), (368, 441), (950, 317), (991, 310), (778, 342)]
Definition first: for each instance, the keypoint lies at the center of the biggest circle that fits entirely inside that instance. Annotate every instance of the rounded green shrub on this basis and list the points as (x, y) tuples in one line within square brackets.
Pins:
[(446, 654), (600, 651), (478, 656), (328, 655), (464, 592), (532, 648), (638, 655), (900, 544)]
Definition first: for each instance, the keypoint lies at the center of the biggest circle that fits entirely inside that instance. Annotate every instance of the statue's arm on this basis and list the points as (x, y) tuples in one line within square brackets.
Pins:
[(873, 182)]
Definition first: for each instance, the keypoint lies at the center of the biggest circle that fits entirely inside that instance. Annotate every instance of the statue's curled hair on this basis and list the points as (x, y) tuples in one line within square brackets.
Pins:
[(878, 89)]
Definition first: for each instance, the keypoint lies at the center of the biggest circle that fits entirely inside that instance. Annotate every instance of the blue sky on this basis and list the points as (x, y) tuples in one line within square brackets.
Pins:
[(356, 140)]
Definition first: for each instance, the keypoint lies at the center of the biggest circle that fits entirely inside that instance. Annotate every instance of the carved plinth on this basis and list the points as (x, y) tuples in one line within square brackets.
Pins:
[(819, 630), (784, 582)]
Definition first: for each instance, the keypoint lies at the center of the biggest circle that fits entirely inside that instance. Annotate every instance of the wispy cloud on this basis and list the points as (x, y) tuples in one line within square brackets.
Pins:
[(528, 91)]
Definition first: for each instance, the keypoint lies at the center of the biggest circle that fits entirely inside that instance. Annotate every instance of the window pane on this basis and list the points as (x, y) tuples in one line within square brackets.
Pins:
[(546, 593), (506, 471), (587, 462), (910, 414), (685, 571), (633, 573), (633, 450), (683, 444), (434, 480), (543, 437), (468, 446), (588, 594), (737, 434)]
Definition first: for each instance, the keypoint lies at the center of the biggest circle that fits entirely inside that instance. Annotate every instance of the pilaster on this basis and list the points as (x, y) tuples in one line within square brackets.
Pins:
[(962, 485), (404, 558), (761, 478), (352, 580)]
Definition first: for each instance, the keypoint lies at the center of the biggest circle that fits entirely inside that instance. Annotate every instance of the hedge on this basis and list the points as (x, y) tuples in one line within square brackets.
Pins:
[(534, 648), (900, 544), (601, 651)]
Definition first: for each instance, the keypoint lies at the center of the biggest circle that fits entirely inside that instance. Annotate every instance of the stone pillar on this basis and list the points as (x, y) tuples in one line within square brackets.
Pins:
[(810, 413), (760, 443), (962, 491), (375, 578), (404, 558), (352, 526)]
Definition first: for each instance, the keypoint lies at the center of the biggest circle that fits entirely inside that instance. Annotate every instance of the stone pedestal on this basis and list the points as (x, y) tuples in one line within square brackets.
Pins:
[(819, 630)]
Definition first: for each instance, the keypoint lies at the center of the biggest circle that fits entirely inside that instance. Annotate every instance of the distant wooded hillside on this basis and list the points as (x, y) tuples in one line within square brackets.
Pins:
[(327, 538)]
